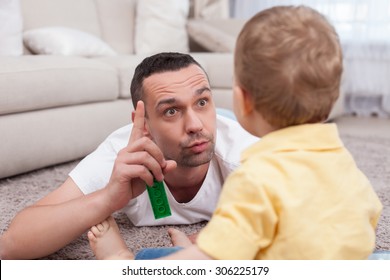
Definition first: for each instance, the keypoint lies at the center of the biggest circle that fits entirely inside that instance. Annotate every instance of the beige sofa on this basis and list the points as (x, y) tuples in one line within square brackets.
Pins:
[(56, 108)]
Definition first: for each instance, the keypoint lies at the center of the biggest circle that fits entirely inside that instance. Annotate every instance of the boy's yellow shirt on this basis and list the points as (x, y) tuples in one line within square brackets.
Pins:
[(297, 195)]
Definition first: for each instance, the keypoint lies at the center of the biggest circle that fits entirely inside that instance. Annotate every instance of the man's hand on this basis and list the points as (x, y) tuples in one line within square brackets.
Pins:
[(136, 164)]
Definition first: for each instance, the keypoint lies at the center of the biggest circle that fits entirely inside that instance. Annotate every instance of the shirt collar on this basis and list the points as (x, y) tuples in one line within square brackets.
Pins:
[(300, 137)]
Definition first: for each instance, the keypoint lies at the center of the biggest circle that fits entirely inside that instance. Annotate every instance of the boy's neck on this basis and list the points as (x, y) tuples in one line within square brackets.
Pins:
[(258, 126)]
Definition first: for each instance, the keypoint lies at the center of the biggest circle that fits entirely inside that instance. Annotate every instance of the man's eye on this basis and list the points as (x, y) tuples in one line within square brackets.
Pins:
[(170, 112), (202, 102)]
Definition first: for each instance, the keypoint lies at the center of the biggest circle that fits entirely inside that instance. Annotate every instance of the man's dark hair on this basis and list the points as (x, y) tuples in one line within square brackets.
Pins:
[(158, 63)]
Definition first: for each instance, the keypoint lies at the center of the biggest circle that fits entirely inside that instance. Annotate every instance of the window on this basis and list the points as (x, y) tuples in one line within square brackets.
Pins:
[(354, 20)]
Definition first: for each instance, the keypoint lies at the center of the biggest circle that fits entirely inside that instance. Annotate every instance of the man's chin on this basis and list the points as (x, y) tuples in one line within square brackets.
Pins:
[(195, 160)]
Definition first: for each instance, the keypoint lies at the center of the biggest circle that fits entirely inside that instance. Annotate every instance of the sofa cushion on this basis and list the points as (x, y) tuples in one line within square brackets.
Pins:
[(125, 66), (36, 82), (65, 41), (44, 13), (32, 140), (161, 26), (219, 68), (216, 35), (112, 21), (117, 21)]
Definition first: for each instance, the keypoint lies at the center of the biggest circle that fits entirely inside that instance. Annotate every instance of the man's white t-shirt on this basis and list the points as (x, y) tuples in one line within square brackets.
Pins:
[(94, 172)]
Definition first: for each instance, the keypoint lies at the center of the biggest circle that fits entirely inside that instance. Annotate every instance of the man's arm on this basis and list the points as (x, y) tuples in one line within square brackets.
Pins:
[(53, 222), (67, 213)]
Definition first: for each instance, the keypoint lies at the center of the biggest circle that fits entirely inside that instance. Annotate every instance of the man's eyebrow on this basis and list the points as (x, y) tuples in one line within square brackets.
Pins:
[(172, 100), (202, 90), (169, 101)]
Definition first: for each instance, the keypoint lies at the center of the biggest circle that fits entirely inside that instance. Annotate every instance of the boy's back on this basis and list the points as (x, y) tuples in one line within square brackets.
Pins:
[(301, 197)]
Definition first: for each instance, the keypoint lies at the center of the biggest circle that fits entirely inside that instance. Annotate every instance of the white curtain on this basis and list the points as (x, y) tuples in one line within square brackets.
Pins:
[(364, 30)]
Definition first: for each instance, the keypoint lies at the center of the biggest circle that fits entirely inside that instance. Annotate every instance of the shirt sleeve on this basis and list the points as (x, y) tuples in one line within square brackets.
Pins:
[(94, 171), (244, 222)]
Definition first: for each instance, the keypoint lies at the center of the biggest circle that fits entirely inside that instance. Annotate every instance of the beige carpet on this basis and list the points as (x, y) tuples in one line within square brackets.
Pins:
[(371, 153)]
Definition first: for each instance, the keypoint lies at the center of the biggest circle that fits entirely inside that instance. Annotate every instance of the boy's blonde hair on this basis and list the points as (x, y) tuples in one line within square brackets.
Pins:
[(289, 60)]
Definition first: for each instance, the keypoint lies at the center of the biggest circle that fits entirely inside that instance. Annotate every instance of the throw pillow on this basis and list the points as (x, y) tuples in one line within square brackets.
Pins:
[(11, 42), (65, 41), (161, 26)]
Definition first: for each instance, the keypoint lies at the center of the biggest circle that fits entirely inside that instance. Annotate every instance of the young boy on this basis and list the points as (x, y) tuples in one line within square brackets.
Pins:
[(298, 193)]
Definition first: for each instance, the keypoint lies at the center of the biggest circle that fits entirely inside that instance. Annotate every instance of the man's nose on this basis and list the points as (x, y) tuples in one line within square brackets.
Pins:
[(193, 123)]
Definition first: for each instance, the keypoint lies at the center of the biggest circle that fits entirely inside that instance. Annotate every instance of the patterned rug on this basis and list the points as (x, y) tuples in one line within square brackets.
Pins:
[(371, 154)]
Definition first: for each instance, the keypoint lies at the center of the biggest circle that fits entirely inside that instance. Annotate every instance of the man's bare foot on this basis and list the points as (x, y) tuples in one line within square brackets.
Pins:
[(107, 243), (179, 238)]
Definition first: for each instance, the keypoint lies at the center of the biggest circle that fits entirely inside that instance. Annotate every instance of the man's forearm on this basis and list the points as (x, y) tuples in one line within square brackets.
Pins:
[(41, 230)]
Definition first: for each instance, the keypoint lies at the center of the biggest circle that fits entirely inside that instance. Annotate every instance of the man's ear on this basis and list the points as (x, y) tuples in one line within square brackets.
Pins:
[(244, 100)]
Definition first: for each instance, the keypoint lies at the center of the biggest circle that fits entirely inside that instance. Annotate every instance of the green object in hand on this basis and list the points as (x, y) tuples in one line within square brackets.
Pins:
[(158, 200)]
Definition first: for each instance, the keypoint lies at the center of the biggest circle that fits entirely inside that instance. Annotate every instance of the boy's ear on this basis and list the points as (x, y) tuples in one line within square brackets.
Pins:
[(244, 99)]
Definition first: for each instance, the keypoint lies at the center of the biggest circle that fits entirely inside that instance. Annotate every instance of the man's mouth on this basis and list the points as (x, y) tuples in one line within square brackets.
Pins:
[(198, 146)]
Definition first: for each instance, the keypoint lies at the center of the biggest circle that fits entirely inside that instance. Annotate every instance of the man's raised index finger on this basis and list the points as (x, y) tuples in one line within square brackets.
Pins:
[(138, 123)]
